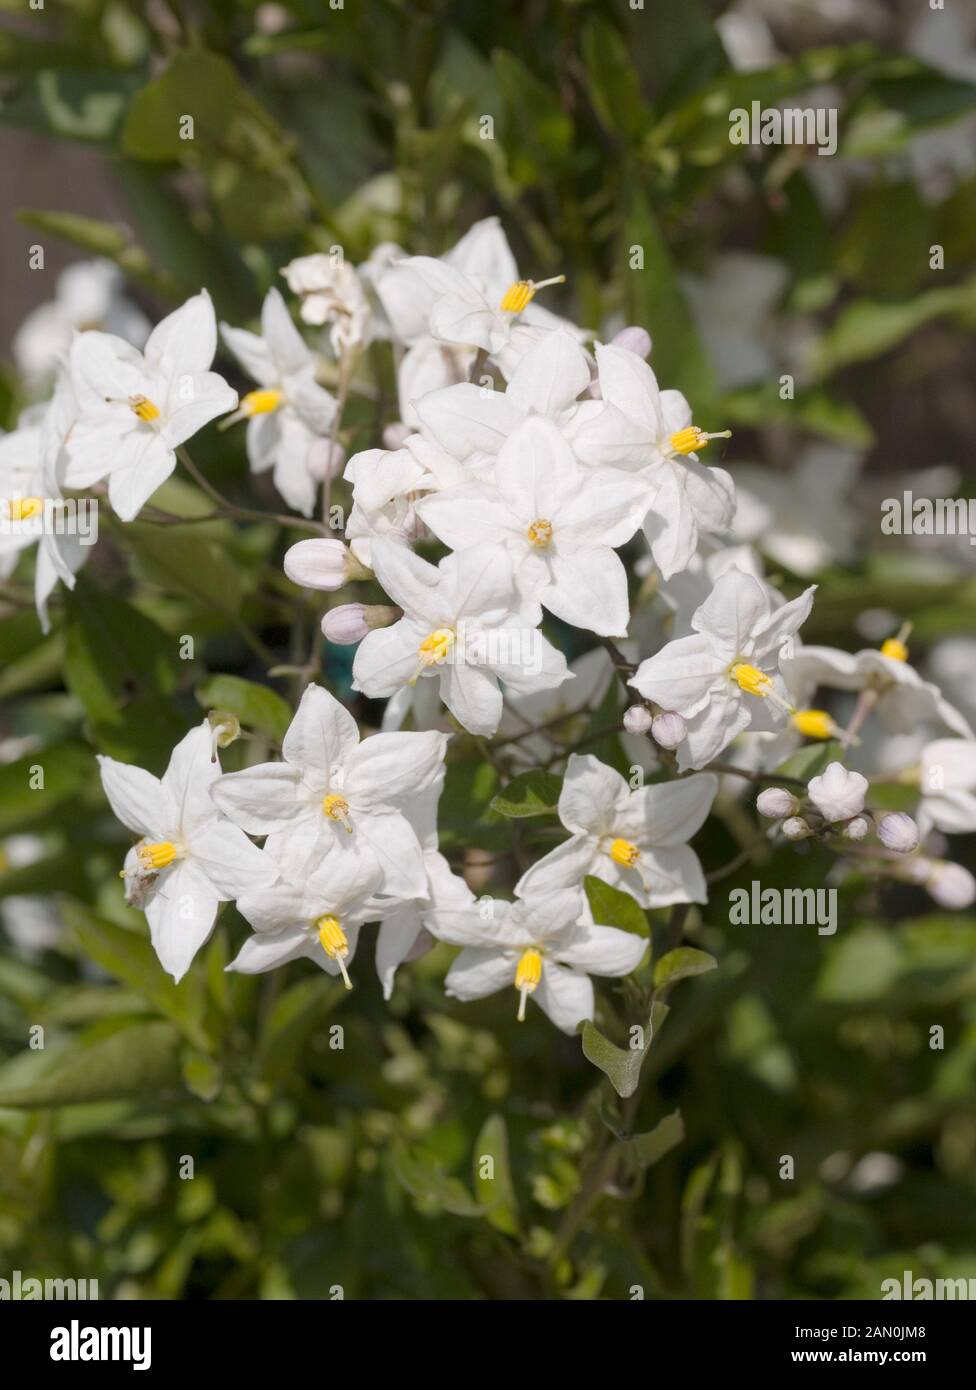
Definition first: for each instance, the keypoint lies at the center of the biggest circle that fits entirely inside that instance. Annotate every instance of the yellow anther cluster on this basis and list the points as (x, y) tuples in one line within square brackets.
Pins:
[(540, 532)]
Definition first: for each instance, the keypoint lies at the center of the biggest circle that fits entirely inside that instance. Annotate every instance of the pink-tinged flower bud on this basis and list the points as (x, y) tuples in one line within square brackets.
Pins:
[(796, 828), (898, 832), (319, 564), (668, 730), (634, 339), (350, 622), (776, 802), (637, 720), (395, 435), (837, 793), (856, 829), (951, 885), (325, 460)]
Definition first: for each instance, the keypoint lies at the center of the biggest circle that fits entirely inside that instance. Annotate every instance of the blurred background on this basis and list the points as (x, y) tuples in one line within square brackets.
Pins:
[(591, 129)]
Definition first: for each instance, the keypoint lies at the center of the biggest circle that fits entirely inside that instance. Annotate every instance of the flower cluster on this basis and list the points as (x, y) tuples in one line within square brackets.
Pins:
[(526, 457)]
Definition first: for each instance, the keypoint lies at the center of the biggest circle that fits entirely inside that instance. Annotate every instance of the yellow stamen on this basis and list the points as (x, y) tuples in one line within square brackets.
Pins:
[(143, 408), (540, 532), (814, 723), (156, 856), (335, 944), (691, 439), (261, 402), (520, 295), (625, 854), (751, 679), (22, 508), (337, 808), (433, 650), (894, 649), (528, 973)]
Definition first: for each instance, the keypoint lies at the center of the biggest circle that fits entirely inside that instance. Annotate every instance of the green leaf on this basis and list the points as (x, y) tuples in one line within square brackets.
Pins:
[(298, 1012), (653, 299), (178, 559), (497, 1192), (197, 84), (256, 706), (68, 769), (613, 83), (869, 328), (612, 907), (681, 964), (131, 959), (810, 761), (421, 1174), (537, 135), (813, 409), (141, 1061), (647, 1149), (621, 1066), (534, 793)]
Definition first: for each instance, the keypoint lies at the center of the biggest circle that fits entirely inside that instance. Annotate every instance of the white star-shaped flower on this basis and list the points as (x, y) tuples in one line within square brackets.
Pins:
[(289, 411), (725, 677), (317, 916), (948, 786), (904, 699), (335, 797), (387, 485), (544, 944), (189, 859), (559, 522), (635, 840), (465, 624), (136, 408), (652, 430)]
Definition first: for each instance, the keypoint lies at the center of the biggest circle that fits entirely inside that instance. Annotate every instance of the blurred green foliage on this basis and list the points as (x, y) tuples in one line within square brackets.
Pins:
[(361, 1166)]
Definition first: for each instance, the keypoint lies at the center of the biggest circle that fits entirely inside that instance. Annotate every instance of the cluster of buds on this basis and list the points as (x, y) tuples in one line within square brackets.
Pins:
[(834, 805), (666, 728)]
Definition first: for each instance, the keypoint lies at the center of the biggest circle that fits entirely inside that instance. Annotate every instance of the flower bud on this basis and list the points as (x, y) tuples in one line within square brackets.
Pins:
[(325, 460), (838, 794), (321, 564), (951, 885), (898, 832), (634, 339), (796, 828), (350, 622), (856, 829), (668, 730), (776, 802), (637, 720)]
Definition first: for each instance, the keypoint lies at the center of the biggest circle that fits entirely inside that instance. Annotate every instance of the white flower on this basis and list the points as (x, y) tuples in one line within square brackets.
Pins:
[(32, 463), (316, 915), (948, 786), (652, 430), (135, 409), (407, 929), (803, 519), (335, 797), (332, 293), (468, 419), (724, 677), (545, 945), (560, 523), (633, 840), (290, 411), (189, 859), (838, 793), (88, 294), (473, 297), (465, 624), (904, 699), (387, 485)]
